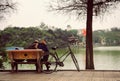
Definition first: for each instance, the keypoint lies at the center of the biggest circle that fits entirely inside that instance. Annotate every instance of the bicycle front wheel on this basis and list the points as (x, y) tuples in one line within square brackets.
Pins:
[(50, 65), (75, 61)]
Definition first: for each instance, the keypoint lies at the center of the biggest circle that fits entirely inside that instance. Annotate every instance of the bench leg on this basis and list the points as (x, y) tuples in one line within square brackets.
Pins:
[(16, 67), (39, 67), (13, 66), (36, 67)]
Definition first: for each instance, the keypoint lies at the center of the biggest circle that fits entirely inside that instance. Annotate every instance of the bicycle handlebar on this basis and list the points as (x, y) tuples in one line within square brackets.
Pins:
[(54, 48), (65, 44)]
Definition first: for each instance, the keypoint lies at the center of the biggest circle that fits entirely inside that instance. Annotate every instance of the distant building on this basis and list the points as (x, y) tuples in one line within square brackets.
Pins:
[(80, 32), (73, 40)]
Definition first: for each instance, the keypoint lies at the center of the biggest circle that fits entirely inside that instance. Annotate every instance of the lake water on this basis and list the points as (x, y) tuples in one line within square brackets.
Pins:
[(14, 47), (105, 58)]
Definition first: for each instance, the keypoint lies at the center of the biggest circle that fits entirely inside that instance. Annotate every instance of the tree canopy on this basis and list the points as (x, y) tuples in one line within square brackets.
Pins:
[(79, 7), (23, 37)]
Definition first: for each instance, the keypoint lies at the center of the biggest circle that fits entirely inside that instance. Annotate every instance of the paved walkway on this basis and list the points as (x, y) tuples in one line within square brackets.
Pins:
[(62, 76)]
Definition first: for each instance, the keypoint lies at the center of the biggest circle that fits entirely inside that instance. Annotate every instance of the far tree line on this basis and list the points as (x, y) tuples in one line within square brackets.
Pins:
[(107, 37), (23, 37)]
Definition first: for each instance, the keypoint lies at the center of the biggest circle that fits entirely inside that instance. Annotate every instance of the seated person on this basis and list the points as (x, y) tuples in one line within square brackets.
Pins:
[(42, 45), (34, 45)]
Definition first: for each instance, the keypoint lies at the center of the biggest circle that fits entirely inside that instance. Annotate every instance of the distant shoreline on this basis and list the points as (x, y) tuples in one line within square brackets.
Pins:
[(117, 48)]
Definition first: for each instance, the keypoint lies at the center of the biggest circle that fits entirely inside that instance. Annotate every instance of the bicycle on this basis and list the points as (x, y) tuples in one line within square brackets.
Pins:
[(54, 60)]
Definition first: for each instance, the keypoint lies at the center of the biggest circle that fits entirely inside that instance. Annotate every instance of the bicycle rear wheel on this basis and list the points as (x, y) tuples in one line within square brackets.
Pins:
[(75, 61), (50, 65)]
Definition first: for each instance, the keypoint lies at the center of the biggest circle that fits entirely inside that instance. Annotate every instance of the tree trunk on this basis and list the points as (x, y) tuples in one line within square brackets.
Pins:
[(89, 44)]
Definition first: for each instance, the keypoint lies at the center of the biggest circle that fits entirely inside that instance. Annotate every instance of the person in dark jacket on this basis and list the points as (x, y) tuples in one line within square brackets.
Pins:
[(42, 45)]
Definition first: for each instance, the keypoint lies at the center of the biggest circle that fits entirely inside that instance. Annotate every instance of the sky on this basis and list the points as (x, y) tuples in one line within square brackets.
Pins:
[(33, 12)]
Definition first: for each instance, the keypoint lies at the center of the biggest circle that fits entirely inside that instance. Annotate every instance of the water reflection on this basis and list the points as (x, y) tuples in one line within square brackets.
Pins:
[(106, 59)]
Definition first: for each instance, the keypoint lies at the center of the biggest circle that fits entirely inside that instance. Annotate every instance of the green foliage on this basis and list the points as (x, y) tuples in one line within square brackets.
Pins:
[(3, 57), (1, 63), (110, 37), (24, 36), (74, 32)]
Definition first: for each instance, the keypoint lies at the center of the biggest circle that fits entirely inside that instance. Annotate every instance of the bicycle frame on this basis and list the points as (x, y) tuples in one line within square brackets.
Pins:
[(54, 60), (66, 54)]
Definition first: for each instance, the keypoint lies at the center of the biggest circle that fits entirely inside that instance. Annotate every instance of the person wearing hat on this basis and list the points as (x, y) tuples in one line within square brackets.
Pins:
[(42, 45), (34, 45)]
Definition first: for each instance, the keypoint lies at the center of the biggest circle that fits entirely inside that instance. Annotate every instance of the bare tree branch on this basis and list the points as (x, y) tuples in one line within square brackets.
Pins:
[(79, 7), (6, 6)]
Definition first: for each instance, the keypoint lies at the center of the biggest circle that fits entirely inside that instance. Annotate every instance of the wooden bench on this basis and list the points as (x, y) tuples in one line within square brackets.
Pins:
[(26, 56)]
